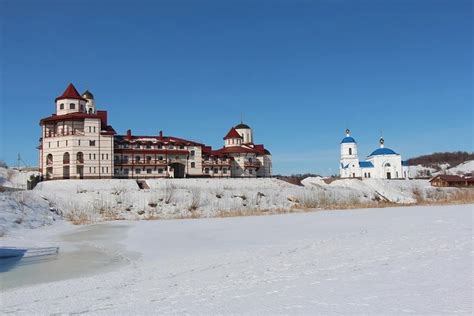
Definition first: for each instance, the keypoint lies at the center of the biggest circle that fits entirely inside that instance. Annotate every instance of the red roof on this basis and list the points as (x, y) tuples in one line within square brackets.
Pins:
[(70, 93), (232, 134), (448, 178), (75, 116)]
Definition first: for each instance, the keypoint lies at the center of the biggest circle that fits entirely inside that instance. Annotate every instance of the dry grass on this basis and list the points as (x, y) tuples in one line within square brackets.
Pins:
[(78, 216), (440, 196), (195, 200), (170, 191)]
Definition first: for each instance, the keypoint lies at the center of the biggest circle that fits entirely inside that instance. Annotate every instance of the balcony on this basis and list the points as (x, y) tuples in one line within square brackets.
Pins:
[(151, 162), (218, 162), (252, 164), (64, 133)]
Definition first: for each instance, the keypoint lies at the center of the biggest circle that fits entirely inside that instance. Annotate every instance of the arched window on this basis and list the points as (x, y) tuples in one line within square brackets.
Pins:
[(193, 153), (72, 106), (66, 158), (350, 151), (193, 165), (90, 110), (61, 106), (80, 157), (49, 159), (387, 165)]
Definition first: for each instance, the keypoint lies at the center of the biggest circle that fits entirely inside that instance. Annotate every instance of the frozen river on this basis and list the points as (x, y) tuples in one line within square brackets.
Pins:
[(391, 260)]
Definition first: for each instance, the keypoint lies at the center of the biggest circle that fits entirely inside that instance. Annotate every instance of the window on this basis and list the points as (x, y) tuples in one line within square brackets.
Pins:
[(66, 142), (61, 106), (116, 171), (160, 146), (350, 151), (368, 174), (82, 108), (125, 145), (90, 169), (137, 146), (353, 175), (125, 171), (80, 157), (90, 129), (103, 156), (181, 147), (90, 111), (137, 158), (79, 142), (160, 157), (192, 153), (224, 171), (148, 158), (206, 170), (148, 146), (94, 129), (116, 158), (160, 170), (193, 165), (92, 143), (57, 143), (216, 170), (90, 156), (365, 174), (93, 156), (106, 156), (148, 171), (49, 144), (94, 169), (170, 147), (137, 171), (125, 159), (49, 159), (72, 106)]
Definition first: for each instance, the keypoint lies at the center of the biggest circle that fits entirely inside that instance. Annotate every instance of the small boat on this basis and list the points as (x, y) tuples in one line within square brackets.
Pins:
[(11, 252)]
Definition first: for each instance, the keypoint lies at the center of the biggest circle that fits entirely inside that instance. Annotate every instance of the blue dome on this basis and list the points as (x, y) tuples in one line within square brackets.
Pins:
[(348, 139), (383, 151)]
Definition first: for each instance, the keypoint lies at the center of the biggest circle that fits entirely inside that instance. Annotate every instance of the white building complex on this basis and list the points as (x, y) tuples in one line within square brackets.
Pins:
[(382, 163), (77, 143)]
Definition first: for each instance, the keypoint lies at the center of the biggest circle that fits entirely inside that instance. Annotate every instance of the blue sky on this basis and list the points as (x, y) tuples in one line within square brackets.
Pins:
[(299, 72)]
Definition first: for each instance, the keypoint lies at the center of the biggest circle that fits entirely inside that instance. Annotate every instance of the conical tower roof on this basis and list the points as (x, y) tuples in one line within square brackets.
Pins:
[(70, 93)]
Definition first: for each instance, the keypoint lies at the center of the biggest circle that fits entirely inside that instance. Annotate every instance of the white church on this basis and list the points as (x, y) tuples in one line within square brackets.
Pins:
[(382, 163)]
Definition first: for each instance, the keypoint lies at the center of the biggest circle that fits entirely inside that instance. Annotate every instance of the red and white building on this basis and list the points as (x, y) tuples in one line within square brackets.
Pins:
[(78, 143)]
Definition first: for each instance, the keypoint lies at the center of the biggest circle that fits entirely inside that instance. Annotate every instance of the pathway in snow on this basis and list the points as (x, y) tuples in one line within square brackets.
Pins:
[(393, 260)]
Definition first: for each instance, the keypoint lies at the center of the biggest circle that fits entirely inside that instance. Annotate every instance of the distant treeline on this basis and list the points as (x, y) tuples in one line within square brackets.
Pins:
[(435, 159)]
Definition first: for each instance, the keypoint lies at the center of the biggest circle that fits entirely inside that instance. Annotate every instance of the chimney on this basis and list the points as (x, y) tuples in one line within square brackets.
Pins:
[(129, 133), (161, 134)]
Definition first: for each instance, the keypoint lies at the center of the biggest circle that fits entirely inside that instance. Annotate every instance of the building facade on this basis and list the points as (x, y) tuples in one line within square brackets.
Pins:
[(77, 143), (382, 163)]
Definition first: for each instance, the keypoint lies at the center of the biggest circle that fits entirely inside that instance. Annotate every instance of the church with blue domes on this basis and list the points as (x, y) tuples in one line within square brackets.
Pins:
[(382, 163)]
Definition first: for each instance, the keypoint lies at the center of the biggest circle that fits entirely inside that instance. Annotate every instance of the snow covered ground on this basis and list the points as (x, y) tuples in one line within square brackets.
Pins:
[(391, 260), (13, 178), (424, 171), (91, 201)]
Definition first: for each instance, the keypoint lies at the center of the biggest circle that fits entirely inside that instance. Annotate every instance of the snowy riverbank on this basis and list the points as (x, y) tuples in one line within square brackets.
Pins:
[(93, 201), (391, 260)]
